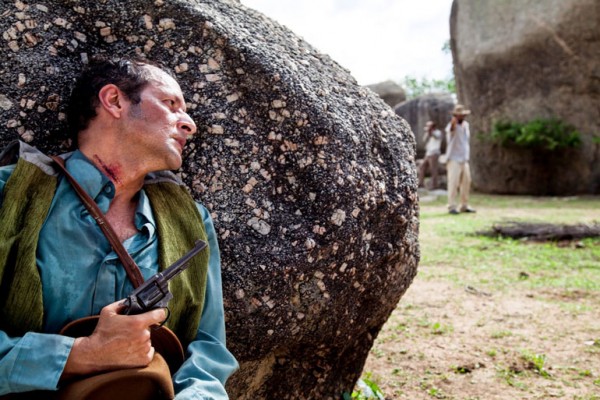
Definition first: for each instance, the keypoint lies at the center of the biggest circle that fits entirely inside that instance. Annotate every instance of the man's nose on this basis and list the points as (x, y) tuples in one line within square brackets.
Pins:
[(186, 123)]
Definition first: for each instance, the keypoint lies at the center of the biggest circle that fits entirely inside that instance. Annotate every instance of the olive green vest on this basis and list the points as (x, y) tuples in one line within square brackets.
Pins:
[(27, 198)]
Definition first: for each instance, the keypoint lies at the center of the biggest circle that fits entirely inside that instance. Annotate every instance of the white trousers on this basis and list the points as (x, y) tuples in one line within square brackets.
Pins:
[(459, 180)]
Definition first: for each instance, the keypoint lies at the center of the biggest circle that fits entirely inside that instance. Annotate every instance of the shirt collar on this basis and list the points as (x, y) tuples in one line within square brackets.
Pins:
[(90, 178), (102, 190), (143, 215)]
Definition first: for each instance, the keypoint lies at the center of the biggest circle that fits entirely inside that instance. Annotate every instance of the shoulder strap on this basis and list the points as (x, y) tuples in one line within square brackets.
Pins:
[(133, 271)]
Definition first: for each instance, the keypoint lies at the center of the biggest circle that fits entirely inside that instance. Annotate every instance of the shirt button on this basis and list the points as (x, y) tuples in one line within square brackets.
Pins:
[(108, 189)]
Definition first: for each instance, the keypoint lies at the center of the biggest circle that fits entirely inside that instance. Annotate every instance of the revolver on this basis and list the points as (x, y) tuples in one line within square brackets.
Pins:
[(154, 293)]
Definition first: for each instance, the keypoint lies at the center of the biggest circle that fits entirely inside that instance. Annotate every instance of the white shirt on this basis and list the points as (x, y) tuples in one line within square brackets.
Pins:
[(458, 144), (433, 142)]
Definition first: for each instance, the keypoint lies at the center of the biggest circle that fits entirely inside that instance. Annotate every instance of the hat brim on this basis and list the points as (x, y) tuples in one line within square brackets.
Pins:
[(464, 112), (136, 383)]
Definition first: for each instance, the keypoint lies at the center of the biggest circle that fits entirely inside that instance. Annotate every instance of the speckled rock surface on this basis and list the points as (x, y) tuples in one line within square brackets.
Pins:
[(309, 177)]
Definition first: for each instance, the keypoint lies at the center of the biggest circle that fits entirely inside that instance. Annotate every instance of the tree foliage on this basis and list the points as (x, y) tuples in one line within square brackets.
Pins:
[(415, 87)]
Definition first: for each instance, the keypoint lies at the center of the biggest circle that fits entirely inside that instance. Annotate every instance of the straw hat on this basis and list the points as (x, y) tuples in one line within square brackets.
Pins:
[(459, 109)]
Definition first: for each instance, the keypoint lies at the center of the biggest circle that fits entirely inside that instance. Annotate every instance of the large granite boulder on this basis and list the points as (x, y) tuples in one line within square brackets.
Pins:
[(310, 177), (436, 107), (391, 92), (518, 60)]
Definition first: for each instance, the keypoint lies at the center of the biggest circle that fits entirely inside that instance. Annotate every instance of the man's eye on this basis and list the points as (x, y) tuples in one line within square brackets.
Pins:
[(170, 102)]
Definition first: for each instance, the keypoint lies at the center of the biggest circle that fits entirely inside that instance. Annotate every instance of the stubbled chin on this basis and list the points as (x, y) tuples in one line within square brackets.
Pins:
[(173, 157), (175, 162)]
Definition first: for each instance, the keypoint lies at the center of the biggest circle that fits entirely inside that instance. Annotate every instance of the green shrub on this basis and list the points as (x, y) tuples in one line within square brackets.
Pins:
[(549, 134), (367, 389)]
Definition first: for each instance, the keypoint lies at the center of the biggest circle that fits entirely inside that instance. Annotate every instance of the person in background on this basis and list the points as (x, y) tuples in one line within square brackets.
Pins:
[(457, 164), (128, 119), (432, 138)]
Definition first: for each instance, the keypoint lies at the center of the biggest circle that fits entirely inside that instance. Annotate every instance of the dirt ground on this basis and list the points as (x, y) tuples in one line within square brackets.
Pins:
[(450, 342)]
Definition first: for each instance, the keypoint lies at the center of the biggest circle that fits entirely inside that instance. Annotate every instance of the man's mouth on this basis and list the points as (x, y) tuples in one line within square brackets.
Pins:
[(181, 141)]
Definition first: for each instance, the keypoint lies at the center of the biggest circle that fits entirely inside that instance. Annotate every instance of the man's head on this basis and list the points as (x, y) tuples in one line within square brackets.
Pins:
[(130, 112), (429, 126), (130, 75), (460, 112)]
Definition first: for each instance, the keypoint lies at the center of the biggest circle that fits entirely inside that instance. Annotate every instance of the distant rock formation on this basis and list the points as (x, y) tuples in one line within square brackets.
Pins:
[(389, 91), (519, 60), (310, 178), (436, 107)]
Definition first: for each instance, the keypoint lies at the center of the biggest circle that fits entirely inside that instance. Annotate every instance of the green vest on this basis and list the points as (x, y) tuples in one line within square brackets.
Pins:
[(27, 198)]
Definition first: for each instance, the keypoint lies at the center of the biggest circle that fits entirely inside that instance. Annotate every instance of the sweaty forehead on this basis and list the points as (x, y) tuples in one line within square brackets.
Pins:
[(161, 80)]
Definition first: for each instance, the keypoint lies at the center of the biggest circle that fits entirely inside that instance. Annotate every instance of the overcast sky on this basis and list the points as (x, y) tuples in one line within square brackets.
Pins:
[(376, 40)]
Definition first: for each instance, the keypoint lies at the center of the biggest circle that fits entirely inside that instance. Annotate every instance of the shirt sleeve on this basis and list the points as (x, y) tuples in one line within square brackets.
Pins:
[(32, 362), (5, 173), (36, 360), (208, 364)]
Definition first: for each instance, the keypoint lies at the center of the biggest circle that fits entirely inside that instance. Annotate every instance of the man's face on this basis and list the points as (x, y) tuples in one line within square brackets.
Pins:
[(157, 128)]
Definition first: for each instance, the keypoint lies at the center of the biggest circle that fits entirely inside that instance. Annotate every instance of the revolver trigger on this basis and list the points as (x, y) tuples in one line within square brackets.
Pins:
[(126, 306)]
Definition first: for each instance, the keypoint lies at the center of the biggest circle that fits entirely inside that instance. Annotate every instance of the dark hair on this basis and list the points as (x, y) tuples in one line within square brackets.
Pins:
[(128, 74)]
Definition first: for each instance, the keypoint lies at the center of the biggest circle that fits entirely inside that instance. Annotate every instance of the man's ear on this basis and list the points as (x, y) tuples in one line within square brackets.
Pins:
[(111, 100)]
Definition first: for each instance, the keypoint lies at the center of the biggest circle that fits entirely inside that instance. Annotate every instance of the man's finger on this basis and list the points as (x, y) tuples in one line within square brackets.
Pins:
[(156, 316), (115, 307)]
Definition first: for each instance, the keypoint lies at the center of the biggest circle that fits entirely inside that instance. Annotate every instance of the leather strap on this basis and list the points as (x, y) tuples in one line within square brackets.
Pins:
[(131, 268)]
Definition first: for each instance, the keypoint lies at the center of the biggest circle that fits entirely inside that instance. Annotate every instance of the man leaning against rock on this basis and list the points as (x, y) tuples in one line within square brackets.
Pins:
[(129, 122)]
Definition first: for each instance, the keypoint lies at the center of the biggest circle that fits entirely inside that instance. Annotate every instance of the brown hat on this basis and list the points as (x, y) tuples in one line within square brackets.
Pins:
[(145, 383), (459, 109), (152, 382)]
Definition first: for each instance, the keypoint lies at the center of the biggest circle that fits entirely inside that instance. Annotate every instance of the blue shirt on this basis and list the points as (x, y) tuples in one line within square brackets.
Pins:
[(81, 274)]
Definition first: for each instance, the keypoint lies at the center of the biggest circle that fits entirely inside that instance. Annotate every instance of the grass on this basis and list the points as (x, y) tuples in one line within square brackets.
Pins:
[(367, 389), (501, 334), (564, 275), (536, 362), (450, 245)]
